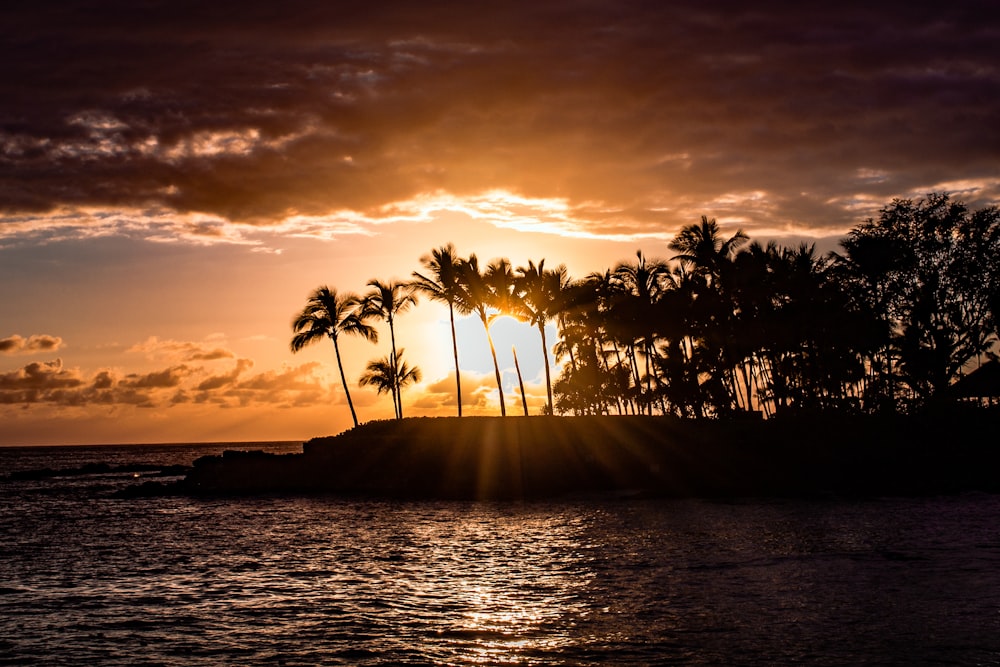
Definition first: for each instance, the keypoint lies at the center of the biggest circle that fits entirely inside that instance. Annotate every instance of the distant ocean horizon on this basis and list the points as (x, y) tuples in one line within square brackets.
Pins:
[(89, 578), (191, 443)]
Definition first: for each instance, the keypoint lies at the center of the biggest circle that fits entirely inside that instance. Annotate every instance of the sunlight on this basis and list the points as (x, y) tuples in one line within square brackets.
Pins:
[(499, 207), (509, 578)]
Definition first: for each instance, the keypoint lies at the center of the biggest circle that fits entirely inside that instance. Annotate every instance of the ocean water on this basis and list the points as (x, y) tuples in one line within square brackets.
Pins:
[(86, 578)]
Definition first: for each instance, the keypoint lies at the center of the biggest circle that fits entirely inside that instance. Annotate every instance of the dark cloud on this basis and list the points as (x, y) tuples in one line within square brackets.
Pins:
[(39, 376), (225, 379), (50, 382), (36, 343), (164, 379), (637, 113), (289, 387)]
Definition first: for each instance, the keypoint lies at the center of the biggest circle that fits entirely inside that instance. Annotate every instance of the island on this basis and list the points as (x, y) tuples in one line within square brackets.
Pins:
[(541, 457)]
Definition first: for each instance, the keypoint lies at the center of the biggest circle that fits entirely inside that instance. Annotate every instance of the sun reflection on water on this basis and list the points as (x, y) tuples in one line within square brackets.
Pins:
[(514, 583)]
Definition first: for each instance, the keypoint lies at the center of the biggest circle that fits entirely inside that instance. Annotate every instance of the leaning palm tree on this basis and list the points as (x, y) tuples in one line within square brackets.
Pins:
[(390, 375), (478, 297), (443, 283), (385, 301), (330, 315)]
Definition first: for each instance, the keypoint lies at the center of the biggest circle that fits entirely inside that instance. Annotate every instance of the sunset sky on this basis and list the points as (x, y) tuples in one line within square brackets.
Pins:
[(177, 176)]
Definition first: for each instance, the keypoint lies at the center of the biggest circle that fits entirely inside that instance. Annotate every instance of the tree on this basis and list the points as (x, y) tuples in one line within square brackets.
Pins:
[(330, 315), (390, 375), (540, 292), (443, 283), (935, 281), (478, 296), (707, 258), (639, 287), (386, 301), (703, 247)]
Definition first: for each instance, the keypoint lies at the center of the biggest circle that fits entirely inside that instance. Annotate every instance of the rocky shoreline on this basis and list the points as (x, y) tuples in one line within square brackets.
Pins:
[(526, 458)]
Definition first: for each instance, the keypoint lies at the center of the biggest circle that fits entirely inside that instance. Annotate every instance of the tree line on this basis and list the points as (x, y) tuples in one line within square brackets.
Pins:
[(725, 325)]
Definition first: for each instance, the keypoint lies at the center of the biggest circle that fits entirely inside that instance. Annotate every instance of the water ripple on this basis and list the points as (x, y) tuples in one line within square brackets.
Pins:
[(85, 579)]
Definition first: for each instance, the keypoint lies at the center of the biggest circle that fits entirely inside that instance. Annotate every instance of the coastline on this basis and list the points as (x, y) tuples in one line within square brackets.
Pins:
[(528, 458)]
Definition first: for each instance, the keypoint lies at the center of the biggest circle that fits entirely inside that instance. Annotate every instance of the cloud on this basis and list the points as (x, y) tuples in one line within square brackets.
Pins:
[(35, 343), (154, 348), (297, 386), (209, 123), (51, 383), (438, 397), (166, 378), (225, 379), (40, 376)]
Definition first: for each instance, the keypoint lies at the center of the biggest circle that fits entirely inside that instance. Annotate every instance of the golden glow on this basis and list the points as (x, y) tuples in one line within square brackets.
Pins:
[(498, 619)]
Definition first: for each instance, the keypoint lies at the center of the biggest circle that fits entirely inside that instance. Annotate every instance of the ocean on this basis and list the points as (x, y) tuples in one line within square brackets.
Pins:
[(89, 578)]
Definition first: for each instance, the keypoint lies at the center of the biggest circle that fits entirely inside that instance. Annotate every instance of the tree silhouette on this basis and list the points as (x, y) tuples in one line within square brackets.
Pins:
[(390, 375), (479, 295), (640, 286), (387, 300), (927, 267), (540, 291), (330, 315), (888, 323), (443, 283), (703, 247)]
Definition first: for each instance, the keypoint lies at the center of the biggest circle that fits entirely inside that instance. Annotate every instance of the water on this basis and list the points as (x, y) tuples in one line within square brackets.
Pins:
[(89, 579)]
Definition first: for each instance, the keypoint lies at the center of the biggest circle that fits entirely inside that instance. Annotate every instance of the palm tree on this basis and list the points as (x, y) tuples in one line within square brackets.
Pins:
[(330, 315), (540, 291), (709, 256), (443, 283), (478, 297), (704, 248), (386, 300), (641, 286), (390, 375)]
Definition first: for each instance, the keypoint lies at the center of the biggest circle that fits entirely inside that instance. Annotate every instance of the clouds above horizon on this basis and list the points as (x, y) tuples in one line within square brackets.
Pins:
[(210, 122), (203, 372), (52, 383), (15, 344)]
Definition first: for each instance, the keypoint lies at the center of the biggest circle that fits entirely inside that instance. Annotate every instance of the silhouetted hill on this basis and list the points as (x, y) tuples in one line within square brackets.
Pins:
[(539, 457)]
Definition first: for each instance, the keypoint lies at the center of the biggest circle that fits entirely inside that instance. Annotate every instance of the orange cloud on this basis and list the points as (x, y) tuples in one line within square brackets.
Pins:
[(154, 348), (35, 343), (439, 397), (49, 382)]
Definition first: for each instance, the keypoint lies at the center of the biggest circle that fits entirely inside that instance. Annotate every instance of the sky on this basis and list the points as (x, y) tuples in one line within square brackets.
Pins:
[(177, 176)]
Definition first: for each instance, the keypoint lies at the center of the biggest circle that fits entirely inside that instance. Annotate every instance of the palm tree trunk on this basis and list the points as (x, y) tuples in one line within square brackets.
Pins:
[(618, 357), (496, 365), (747, 385), (343, 381), (520, 381), (454, 347), (395, 380), (569, 345), (548, 377)]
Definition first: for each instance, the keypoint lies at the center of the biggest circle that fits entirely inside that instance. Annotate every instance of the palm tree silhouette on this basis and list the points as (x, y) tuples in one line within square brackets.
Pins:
[(443, 283), (330, 315), (390, 375), (709, 257), (641, 286), (540, 291), (478, 296), (703, 246), (386, 300)]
